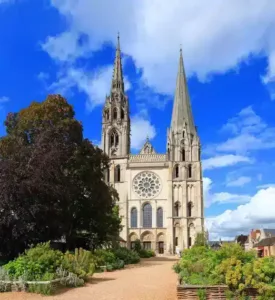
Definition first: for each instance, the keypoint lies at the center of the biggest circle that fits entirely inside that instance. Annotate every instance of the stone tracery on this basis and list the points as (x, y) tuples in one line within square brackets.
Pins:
[(147, 184)]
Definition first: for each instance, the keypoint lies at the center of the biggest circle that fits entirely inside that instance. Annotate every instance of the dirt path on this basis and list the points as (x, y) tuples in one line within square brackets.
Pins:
[(152, 279)]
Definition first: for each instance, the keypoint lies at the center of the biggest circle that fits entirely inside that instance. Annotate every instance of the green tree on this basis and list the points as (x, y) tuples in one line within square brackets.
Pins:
[(200, 239), (51, 181)]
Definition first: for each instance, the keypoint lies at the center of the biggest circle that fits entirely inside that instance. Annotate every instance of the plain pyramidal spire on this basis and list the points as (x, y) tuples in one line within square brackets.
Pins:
[(182, 112), (117, 81)]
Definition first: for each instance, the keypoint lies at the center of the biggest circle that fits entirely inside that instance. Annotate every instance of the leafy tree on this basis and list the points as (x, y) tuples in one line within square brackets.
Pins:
[(51, 181), (200, 239)]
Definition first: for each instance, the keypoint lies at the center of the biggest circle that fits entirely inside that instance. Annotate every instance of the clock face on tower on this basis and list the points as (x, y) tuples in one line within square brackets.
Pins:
[(147, 185)]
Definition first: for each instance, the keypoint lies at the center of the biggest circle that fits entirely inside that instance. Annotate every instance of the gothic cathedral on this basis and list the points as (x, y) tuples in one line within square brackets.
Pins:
[(161, 195)]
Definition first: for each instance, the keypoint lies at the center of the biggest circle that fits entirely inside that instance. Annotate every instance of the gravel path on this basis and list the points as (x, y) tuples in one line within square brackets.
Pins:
[(152, 279)]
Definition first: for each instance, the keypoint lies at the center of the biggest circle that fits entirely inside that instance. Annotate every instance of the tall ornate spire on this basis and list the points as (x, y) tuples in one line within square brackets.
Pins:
[(182, 112), (117, 81)]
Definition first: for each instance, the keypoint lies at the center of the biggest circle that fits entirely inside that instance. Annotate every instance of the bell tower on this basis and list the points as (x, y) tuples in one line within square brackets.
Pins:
[(115, 118), (183, 152)]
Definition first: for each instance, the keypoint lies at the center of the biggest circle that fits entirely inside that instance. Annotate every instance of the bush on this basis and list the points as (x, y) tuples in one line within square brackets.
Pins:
[(104, 257), (146, 253), (229, 265), (128, 256), (81, 263), (37, 263), (41, 263)]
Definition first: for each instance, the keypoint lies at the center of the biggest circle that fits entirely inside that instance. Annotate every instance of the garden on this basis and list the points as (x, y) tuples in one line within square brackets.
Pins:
[(230, 272), (44, 270)]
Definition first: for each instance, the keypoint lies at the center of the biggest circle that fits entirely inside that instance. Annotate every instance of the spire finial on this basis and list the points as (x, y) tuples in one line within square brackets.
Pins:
[(147, 138), (118, 41), (117, 82)]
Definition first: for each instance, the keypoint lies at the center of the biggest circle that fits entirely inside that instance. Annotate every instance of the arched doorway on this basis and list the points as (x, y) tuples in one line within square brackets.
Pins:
[(147, 239)]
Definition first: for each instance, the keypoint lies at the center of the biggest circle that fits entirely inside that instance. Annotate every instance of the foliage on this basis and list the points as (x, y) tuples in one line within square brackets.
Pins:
[(107, 257), (128, 256), (229, 265), (200, 239), (51, 181), (143, 253), (37, 263), (202, 294), (137, 246), (81, 263)]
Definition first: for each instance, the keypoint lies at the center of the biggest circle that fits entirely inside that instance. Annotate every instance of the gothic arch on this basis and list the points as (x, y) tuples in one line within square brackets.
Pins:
[(147, 236), (115, 113), (117, 173), (177, 209), (159, 217), (106, 114), (161, 237), (147, 214), (134, 217), (114, 138), (176, 171), (133, 237)]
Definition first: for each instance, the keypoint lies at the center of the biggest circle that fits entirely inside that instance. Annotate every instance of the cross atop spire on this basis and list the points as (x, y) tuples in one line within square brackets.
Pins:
[(117, 81), (182, 112)]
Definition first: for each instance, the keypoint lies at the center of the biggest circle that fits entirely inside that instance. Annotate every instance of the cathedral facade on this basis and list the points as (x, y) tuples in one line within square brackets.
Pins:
[(161, 195)]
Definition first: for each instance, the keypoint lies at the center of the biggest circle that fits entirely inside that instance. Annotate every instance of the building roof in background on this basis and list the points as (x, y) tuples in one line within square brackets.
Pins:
[(266, 242)]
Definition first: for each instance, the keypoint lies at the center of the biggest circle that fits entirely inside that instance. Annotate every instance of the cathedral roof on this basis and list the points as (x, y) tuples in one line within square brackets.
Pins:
[(147, 148), (182, 112)]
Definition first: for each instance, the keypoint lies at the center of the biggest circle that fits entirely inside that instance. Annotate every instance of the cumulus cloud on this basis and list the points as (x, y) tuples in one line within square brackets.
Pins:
[(238, 182), (211, 197), (94, 84), (259, 212), (141, 128), (247, 132), (223, 161), (215, 35)]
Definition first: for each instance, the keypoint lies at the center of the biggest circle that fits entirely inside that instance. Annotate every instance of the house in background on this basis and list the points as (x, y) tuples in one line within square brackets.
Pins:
[(265, 247), (257, 235), (241, 239)]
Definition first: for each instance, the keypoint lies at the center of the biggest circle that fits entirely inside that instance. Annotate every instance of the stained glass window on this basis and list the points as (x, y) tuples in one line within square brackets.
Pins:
[(146, 185), (160, 217), (147, 216), (134, 217)]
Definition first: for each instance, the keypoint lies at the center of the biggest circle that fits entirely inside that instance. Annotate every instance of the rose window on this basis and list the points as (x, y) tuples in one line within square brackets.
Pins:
[(147, 185)]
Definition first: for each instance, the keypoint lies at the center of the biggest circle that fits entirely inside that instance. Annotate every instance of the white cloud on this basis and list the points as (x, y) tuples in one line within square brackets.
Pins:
[(227, 32), (241, 181), (141, 128), (95, 85), (223, 161), (211, 197), (265, 186), (259, 212), (247, 132)]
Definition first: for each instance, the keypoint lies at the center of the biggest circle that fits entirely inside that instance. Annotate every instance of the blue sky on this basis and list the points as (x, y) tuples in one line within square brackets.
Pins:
[(67, 47)]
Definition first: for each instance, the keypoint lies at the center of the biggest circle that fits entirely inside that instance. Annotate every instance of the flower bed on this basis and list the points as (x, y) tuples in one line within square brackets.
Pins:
[(42, 269), (228, 273)]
